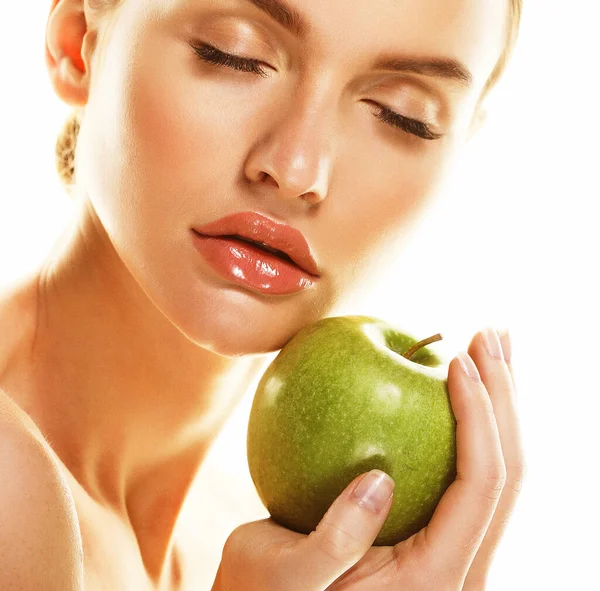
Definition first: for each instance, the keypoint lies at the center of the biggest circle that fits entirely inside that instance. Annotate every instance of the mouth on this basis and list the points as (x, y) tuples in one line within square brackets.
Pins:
[(259, 231), (261, 246)]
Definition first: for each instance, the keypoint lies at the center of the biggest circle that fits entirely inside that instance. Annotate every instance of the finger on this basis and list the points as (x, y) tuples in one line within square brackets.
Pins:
[(465, 511), (343, 536), (498, 381), (497, 378), (248, 555), (506, 342)]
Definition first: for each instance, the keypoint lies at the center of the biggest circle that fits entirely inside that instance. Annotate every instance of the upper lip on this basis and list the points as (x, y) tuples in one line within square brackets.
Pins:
[(259, 228)]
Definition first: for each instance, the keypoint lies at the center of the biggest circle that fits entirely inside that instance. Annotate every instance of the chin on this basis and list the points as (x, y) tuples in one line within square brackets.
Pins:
[(233, 322), (216, 315), (230, 336)]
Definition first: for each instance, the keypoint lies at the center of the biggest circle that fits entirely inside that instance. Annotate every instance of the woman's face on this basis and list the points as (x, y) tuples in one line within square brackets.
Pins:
[(170, 142)]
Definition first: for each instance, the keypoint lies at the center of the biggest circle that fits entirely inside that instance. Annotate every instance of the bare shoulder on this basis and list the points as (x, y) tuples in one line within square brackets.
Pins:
[(40, 541)]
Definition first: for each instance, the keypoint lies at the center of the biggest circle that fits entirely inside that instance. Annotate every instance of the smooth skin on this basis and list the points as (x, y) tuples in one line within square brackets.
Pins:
[(452, 553), (126, 350), (34, 500)]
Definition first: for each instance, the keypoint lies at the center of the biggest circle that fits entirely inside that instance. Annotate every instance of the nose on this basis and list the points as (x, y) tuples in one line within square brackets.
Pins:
[(293, 154)]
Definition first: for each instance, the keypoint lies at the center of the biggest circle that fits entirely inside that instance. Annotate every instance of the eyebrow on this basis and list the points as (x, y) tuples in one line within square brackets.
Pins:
[(288, 17), (441, 67)]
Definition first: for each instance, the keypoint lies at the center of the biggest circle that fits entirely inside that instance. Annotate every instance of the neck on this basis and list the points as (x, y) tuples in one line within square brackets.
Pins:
[(128, 403)]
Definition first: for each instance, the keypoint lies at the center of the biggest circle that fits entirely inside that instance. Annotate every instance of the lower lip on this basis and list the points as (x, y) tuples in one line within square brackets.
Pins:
[(252, 267)]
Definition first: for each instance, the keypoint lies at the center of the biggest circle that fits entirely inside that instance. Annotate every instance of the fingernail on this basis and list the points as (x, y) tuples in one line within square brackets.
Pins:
[(468, 366), (374, 490), (492, 343), (506, 344)]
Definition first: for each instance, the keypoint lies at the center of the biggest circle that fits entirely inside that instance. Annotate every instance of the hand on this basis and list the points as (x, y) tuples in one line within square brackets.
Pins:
[(452, 553)]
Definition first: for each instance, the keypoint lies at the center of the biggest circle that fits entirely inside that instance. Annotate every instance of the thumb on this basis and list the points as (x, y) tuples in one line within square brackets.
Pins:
[(345, 533)]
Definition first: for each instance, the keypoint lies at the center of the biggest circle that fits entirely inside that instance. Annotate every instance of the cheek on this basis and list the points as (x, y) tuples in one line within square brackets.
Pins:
[(183, 130), (171, 136), (156, 137), (375, 211)]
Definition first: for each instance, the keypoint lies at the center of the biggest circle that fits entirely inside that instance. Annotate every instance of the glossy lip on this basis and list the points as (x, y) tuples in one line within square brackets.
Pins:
[(257, 227), (252, 267)]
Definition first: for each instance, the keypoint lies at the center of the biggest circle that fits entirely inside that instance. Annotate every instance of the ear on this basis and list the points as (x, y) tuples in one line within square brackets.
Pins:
[(477, 121), (67, 36)]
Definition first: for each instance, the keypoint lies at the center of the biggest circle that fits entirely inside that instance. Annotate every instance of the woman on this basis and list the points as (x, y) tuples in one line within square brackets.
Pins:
[(327, 126)]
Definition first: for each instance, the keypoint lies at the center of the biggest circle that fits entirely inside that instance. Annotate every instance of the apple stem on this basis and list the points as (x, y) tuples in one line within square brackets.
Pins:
[(421, 344)]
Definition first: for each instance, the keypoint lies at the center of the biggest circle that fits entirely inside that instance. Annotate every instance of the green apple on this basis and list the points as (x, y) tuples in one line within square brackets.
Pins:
[(345, 395)]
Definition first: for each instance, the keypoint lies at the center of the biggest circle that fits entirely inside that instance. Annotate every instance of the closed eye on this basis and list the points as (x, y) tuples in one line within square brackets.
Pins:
[(212, 55), (413, 126)]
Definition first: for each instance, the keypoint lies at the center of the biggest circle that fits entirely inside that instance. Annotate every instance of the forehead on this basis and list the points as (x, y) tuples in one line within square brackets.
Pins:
[(472, 31)]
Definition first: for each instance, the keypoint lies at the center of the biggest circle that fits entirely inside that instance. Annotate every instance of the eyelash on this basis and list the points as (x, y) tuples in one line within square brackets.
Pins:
[(212, 55), (413, 126)]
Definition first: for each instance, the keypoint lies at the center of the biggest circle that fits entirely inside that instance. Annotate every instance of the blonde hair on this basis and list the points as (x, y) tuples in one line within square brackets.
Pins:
[(67, 138)]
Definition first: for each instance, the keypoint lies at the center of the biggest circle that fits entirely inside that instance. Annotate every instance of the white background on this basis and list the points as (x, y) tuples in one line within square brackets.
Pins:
[(513, 242)]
